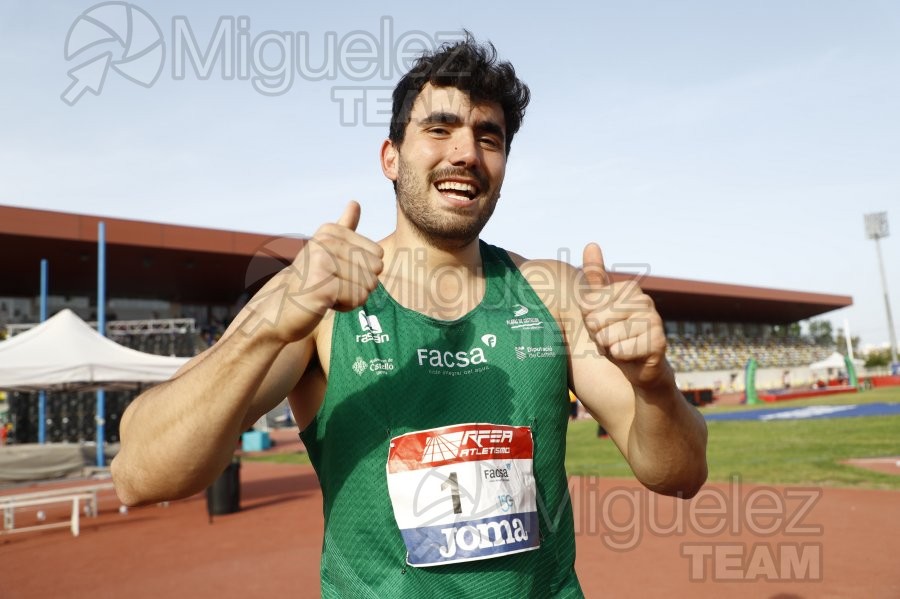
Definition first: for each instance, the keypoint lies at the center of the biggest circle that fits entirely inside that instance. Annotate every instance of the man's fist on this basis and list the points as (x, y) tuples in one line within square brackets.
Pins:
[(623, 323), (336, 269)]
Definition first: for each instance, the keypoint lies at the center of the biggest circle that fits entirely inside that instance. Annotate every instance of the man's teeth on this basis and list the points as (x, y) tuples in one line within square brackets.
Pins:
[(468, 191)]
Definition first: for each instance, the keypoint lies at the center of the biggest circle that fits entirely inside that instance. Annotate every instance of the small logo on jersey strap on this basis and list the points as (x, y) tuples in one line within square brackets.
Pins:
[(489, 340), (371, 329), (472, 442), (376, 365), (360, 366), (527, 351), (520, 321), (369, 323)]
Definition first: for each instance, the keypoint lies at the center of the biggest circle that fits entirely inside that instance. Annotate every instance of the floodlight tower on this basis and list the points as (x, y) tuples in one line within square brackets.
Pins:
[(876, 228)]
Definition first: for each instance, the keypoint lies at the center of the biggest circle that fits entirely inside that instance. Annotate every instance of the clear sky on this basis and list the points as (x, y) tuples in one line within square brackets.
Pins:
[(737, 142)]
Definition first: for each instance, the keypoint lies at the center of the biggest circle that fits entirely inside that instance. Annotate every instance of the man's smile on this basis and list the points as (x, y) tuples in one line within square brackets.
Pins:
[(458, 189)]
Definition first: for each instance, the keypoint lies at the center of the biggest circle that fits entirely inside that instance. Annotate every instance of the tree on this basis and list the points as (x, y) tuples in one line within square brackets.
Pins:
[(841, 342), (821, 332), (878, 357)]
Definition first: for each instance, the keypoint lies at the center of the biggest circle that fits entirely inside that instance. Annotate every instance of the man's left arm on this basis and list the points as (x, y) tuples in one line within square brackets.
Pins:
[(618, 369)]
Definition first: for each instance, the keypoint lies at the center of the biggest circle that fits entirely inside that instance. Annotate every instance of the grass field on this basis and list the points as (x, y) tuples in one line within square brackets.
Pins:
[(798, 452), (795, 452)]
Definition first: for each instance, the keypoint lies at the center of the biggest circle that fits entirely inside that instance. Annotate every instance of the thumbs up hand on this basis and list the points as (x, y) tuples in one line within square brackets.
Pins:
[(623, 323), (350, 263), (337, 269)]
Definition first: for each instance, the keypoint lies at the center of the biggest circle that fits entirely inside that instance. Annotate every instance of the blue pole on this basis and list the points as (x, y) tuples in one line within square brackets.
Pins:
[(101, 328), (42, 395)]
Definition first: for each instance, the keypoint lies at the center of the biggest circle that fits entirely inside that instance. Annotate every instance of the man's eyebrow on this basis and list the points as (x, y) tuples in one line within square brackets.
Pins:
[(450, 118), (440, 118)]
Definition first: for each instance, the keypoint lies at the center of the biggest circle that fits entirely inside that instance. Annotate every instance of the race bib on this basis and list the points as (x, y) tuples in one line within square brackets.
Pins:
[(464, 492)]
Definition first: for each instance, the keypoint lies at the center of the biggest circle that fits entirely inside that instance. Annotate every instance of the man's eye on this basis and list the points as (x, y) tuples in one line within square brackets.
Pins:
[(490, 142), (438, 131)]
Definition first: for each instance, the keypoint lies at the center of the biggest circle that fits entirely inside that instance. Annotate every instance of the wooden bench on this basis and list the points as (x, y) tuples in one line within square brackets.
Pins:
[(76, 495)]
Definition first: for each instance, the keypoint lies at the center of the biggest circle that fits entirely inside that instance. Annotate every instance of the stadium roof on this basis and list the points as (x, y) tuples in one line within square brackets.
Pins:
[(206, 266), (143, 260)]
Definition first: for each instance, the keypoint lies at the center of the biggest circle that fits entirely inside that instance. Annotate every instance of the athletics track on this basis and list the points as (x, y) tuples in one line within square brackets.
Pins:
[(838, 542), (810, 412)]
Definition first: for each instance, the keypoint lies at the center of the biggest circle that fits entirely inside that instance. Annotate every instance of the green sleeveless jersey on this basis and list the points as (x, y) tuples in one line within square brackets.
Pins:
[(395, 371)]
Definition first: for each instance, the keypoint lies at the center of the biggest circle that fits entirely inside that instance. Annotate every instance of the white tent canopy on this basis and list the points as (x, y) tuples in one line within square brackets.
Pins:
[(64, 351), (836, 361)]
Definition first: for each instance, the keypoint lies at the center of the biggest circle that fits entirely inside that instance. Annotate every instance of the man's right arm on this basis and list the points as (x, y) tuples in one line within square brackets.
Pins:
[(178, 436)]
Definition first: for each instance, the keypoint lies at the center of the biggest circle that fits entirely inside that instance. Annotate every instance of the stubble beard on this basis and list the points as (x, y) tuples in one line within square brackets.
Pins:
[(440, 229)]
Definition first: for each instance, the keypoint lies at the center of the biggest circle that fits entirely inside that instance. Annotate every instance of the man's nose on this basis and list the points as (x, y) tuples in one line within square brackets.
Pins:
[(465, 149)]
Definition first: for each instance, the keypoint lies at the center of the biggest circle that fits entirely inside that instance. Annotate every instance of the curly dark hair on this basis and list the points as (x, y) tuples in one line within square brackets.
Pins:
[(470, 67)]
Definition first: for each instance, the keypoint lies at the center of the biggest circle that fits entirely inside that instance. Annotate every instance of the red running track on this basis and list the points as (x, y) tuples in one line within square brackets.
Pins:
[(630, 544)]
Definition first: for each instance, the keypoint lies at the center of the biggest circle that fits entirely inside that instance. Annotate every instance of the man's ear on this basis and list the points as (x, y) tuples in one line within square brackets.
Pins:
[(390, 157)]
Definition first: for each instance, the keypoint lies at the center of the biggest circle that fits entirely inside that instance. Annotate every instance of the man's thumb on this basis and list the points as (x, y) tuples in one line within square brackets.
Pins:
[(350, 217), (592, 264)]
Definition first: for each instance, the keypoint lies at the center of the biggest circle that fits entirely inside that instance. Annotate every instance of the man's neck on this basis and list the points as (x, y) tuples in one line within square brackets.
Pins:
[(444, 283)]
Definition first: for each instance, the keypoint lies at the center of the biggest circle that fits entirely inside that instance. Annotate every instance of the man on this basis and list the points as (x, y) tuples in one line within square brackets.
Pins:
[(429, 372)]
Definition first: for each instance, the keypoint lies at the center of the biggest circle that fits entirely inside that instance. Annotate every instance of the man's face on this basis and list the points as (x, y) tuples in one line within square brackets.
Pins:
[(450, 166)]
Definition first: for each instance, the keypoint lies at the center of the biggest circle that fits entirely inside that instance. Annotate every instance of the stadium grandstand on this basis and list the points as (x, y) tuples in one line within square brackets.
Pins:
[(173, 289)]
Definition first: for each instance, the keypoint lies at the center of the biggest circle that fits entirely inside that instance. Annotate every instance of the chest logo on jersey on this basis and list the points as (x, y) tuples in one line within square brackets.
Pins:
[(447, 359), (443, 361), (370, 329), (521, 320)]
